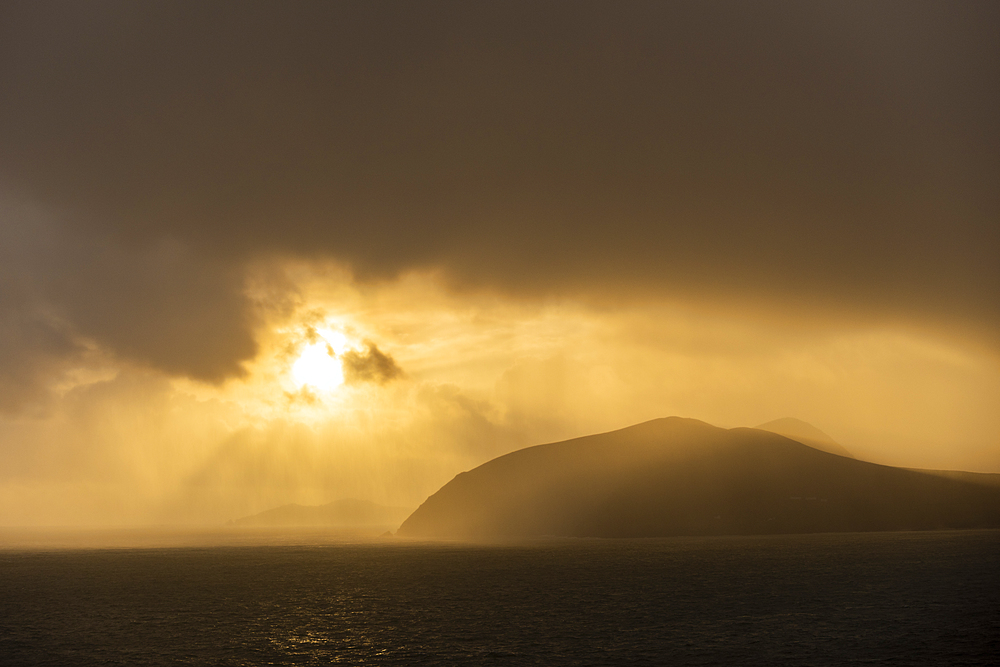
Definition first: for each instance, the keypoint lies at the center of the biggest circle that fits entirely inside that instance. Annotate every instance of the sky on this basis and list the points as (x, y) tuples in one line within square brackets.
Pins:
[(260, 253)]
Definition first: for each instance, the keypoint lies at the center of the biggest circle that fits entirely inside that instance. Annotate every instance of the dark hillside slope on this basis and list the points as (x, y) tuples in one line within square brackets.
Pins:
[(684, 477)]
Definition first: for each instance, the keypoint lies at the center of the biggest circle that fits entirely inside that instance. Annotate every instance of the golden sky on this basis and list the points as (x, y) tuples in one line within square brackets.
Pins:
[(261, 253)]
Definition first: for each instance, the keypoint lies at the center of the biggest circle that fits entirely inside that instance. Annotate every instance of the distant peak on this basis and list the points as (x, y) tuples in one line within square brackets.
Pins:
[(806, 433), (793, 425)]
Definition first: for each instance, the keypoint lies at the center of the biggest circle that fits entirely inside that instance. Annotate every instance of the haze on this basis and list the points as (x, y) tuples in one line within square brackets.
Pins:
[(255, 254)]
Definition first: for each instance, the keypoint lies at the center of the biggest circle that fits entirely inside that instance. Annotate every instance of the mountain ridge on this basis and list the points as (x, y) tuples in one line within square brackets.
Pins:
[(676, 476)]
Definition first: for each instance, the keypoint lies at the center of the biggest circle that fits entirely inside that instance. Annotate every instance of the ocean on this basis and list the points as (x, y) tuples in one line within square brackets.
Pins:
[(927, 598)]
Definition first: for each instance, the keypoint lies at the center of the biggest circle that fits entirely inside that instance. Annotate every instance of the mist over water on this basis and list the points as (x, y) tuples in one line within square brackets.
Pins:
[(880, 598)]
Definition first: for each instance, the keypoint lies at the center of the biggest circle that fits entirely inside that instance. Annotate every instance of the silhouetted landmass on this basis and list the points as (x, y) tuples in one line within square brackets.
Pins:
[(685, 477), (346, 512), (807, 434)]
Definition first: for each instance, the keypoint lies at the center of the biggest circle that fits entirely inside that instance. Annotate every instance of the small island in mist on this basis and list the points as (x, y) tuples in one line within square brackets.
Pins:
[(675, 476), (343, 513)]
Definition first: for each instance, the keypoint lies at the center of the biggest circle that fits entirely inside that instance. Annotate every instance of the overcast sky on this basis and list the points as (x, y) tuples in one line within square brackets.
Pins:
[(778, 206)]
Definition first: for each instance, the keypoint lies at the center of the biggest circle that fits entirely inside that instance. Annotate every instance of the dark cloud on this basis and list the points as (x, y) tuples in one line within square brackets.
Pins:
[(65, 294), (34, 342), (161, 305), (372, 365), (841, 154), (34, 346)]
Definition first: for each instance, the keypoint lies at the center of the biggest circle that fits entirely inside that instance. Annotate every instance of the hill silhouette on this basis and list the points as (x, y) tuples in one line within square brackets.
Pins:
[(348, 512), (807, 434), (679, 476)]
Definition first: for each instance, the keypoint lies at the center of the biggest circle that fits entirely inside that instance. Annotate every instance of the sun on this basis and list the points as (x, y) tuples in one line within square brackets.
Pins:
[(319, 365)]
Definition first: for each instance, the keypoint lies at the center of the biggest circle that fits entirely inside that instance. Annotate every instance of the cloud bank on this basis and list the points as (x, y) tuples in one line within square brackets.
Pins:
[(832, 157)]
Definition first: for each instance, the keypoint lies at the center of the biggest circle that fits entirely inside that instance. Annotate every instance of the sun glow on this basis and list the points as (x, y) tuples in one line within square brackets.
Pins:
[(319, 365)]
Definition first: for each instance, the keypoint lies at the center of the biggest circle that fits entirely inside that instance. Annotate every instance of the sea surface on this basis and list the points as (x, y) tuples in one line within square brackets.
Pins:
[(930, 598)]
